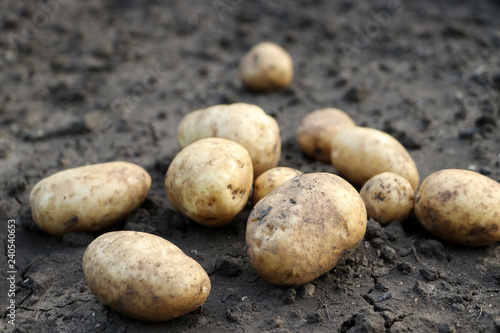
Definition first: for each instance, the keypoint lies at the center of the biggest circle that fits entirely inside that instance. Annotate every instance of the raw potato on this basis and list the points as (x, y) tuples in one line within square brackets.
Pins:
[(210, 181), (359, 153), (300, 230), (269, 180), (388, 196), (317, 129), (244, 123), (266, 67), (88, 198), (144, 276), (460, 206)]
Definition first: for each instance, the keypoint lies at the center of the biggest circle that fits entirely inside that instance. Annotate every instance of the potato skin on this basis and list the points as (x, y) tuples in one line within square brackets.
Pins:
[(88, 198), (144, 276), (244, 123), (269, 180), (359, 153), (460, 206), (266, 67), (388, 196), (317, 129), (210, 181), (300, 230)]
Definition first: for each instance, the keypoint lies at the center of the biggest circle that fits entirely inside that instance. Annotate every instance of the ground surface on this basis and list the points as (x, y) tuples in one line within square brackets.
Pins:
[(99, 81)]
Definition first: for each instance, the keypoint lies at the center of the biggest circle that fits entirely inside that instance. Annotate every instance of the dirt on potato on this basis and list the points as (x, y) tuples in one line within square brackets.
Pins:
[(97, 81)]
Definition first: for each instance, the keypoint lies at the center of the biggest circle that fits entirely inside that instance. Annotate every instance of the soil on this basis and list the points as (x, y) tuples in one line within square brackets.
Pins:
[(95, 81)]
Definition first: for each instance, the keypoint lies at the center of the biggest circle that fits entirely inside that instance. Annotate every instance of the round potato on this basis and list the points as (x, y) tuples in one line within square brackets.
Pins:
[(300, 230), (269, 180), (88, 198), (210, 181), (266, 67), (144, 276), (388, 196), (317, 129), (360, 153), (460, 206), (244, 123)]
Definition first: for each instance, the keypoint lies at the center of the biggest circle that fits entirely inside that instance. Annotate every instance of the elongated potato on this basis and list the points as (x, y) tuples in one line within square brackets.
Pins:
[(317, 129), (359, 153), (88, 198), (269, 180), (266, 67), (300, 230), (210, 181), (460, 206), (144, 276), (244, 123)]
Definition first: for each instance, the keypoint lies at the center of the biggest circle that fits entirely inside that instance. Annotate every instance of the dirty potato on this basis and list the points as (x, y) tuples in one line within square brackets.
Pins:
[(359, 153), (388, 196), (300, 230), (88, 198), (460, 206), (266, 67), (317, 129), (210, 181), (244, 123), (144, 276), (269, 180)]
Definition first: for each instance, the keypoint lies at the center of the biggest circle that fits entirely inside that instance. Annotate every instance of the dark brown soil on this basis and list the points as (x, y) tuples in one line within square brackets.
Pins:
[(94, 81)]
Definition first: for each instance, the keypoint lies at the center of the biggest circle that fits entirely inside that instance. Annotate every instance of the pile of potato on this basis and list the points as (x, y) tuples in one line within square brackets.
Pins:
[(300, 224), (459, 206)]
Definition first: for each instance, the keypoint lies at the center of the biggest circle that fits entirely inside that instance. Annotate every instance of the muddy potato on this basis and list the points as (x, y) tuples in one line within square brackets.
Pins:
[(269, 180), (88, 198), (266, 67), (317, 129), (388, 196), (359, 153), (300, 230), (460, 206), (244, 123), (144, 276), (210, 181)]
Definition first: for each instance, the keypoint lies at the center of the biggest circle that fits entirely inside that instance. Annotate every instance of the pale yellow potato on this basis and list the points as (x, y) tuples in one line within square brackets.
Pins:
[(269, 180), (210, 181), (317, 129), (266, 67), (460, 206), (301, 229), (88, 198), (244, 123), (388, 196), (359, 153), (144, 276)]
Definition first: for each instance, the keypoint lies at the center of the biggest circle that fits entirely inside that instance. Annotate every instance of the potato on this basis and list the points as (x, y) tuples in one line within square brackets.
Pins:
[(317, 129), (266, 67), (269, 180), (460, 206), (144, 276), (244, 123), (88, 198), (210, 181), (359, 153), (300, 230), (388, 196)]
